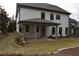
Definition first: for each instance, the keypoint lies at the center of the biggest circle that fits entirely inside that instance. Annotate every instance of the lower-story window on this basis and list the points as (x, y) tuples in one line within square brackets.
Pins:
[(20, 29), (60, 30), (53, 30), (66, 30), (37, 28), (27, 28)]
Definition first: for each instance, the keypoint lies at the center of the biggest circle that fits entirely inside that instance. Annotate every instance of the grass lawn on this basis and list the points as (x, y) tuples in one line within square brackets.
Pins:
[(8, 45)]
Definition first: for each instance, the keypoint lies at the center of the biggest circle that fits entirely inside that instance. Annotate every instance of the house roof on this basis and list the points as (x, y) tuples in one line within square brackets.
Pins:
[(42, 6), (72, 20), (73, 23), (39, 21), (78, 24)]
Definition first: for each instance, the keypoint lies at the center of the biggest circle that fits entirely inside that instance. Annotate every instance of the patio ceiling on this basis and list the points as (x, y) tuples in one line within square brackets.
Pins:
[(39, 21)]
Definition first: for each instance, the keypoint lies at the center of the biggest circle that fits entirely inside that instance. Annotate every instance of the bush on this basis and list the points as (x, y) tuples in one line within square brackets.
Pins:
[(12, 26), (20, 39)]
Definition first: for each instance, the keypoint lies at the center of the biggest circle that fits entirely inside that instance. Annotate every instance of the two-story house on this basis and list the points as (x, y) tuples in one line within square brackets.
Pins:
[(39, 20)]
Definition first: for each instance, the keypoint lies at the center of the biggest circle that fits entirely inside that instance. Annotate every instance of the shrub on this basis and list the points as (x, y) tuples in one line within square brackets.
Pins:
[(20, 39), (12, 26)]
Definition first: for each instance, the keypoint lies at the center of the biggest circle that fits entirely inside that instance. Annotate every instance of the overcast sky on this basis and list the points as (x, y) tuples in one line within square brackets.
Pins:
[(71, 6)]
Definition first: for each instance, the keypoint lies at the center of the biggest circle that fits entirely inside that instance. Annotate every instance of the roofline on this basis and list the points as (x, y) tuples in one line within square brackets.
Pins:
[(72, 21), (22, 6), (39, 23)]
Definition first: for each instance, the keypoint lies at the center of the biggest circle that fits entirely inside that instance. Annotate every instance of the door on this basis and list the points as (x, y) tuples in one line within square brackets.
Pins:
[(43, 31)]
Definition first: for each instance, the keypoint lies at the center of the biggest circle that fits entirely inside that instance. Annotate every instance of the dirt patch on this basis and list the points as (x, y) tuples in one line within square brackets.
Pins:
[(2, 36)]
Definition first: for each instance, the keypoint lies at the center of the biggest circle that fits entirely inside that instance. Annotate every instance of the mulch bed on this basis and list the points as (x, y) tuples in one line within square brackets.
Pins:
[(68, 52)]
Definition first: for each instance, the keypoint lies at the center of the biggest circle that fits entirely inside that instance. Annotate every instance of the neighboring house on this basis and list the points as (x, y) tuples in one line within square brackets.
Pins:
[(73, 27), (78, 28), (39, 20)]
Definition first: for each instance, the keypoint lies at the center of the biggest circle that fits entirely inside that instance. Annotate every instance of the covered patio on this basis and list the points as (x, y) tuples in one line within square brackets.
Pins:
[(38, 22)]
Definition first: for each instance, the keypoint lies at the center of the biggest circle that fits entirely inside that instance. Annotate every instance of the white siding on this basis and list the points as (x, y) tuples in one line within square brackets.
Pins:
[(29, 14), (32, 13), (17, 26)]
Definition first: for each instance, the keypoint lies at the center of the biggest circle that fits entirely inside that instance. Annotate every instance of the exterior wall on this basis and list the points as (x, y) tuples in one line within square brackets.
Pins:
[(64, 21), (29, 14), (26, 13)]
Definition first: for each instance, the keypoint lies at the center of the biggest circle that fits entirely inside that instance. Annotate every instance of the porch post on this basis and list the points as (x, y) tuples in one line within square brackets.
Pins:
[(56, 31), (23, 31), (35, 31)]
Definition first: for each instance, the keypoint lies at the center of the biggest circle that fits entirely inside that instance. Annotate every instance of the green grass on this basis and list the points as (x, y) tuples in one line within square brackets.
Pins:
[(9, 46)]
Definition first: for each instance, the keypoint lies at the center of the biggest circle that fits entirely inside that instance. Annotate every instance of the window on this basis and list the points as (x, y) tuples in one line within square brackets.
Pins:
[(66, 30), (27, 28), (53, 30), (60, 30), (58, 17), (42, 15), (37, 29), (51, 16), (20, 29)]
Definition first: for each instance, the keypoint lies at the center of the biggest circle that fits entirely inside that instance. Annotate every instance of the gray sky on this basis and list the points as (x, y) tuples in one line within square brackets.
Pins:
[(71, 6)]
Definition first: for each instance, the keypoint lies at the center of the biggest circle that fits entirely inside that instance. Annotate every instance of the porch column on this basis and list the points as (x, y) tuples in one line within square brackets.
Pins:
[(56, 31), (23, 31), (35, 32)]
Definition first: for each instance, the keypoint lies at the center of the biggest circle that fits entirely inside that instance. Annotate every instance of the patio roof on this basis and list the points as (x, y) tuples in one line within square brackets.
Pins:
[(39, 21)]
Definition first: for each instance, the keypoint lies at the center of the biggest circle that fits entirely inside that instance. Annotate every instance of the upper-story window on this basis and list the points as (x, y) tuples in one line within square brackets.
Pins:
[(51, 16), (66, 30), (42, 15), (58, 17)]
